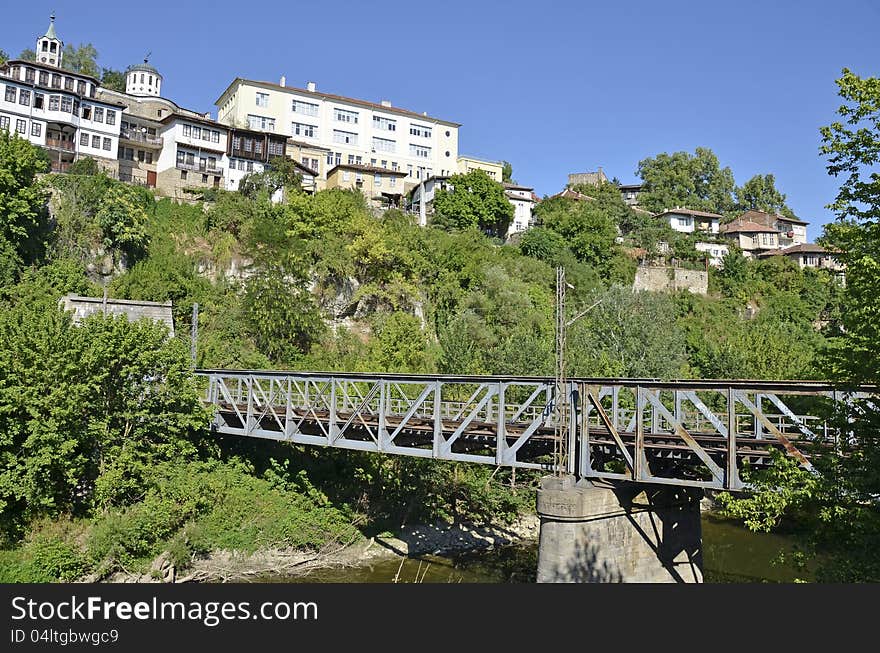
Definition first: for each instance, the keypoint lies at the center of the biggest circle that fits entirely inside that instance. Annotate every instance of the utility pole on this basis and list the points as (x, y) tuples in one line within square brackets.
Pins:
[(561, 395), (194, 334)]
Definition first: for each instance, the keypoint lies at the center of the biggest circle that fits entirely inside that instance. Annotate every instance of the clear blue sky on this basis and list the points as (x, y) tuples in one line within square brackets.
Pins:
[(552, 87)]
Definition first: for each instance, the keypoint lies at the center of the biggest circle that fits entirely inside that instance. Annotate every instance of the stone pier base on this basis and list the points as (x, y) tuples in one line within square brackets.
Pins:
[(624, 533)]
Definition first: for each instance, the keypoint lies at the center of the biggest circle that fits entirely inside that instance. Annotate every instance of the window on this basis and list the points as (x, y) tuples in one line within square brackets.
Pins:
[(314, 165), (181, 156), (67, 104), (262, 99), (183, 174), (394, 166), (196, 132), (392, 182), (383, 144), (141, 156), (420, 130), (212, 163), (30, 75), (10, 93), (111, 117), (86, 112), (258, 147), (384, 123), (372, 162), (305, 108), (276, 148), (345, 175), (44, 78), (56, 81), (384, 163), (249, 166), (68, 83), (99, 114), (248, 145), (81, 88), (261, 122), (351, 159), (377, 180), (301, 129), (409, 170), (39, 99), (204, 179), (21, 126), (96, 143), (215, 136), (341, 115), (84, 139), (344, 137), (24, 97), (420, 151), (36, 129), (4, 123), (187, 130), (149, 158)]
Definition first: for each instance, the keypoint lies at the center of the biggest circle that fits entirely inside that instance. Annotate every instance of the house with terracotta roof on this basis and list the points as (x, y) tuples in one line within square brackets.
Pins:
[(752, 238), (381, 187), (810, 255), (522, 199), (688, 221), (792, 231)]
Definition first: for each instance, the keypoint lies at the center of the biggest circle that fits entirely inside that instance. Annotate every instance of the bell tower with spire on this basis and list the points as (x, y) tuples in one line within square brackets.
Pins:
[(49, 46)]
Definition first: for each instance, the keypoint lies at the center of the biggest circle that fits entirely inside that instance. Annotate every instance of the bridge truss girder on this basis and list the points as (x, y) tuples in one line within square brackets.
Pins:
[(676, 433)]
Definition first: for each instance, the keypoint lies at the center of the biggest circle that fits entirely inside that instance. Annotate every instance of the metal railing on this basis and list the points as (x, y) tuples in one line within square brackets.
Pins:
[(140, 137), (67, 146), (196, 167)]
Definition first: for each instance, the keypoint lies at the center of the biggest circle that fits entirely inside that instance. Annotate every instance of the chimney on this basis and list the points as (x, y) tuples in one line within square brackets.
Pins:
[(283, 81), (386, 103), (310, 86)]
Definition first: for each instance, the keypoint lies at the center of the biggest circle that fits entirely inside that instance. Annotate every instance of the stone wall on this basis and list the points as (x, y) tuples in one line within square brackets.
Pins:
[(666, 279)]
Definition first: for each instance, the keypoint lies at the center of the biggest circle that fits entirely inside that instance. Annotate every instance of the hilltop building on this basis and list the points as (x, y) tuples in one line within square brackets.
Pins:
[(343, 130), (57, 109), (688, 221)]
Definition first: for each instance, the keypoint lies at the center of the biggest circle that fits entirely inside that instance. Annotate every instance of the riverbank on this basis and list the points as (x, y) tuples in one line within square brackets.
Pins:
[(438, 539)]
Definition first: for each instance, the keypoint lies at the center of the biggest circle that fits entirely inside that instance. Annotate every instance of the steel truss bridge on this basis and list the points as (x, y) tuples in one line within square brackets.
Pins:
[(686, 433)]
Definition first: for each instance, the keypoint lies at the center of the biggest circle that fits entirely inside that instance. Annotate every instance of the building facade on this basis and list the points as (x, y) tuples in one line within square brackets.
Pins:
[(688, 221), (714, 251), (381, 187), (522, 198), (346, 130), (791, 231), (59, 110), (495, 169)]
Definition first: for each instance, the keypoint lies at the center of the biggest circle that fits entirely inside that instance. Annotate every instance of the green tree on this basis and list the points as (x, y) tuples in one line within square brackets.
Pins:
[(837, 508), (22, 198), (81, 59), (3, 56), (84, 166), (627, 334), (587, 227), (281, 173), (113, 79), (695, 181), (474, 201), (28, 55), (760, 193), (507, 172)]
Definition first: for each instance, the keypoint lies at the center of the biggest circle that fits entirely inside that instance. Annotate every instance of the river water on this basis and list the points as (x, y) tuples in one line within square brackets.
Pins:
[(731, 554)]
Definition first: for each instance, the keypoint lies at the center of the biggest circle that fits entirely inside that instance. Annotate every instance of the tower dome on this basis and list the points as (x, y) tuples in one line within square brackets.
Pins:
[(49, 46), (143, 80)]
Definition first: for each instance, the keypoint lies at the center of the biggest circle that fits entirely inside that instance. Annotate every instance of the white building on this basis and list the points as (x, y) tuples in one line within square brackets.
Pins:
[(57, 109), (193, 154), (688, 221), (345, 130), (523, 200), (716, 252)]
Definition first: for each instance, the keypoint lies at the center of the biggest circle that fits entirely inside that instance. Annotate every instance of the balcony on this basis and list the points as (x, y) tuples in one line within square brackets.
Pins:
[(56, 144), (140, 137), (204, 169)]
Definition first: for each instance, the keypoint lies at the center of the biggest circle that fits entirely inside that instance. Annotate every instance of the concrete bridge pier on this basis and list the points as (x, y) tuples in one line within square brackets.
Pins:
[(620, 533)]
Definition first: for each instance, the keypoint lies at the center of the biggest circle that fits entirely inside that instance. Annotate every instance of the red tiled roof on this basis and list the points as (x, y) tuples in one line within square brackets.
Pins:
[(760, 217), (745, 227)]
